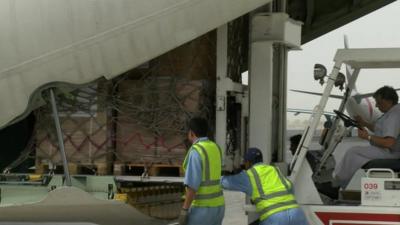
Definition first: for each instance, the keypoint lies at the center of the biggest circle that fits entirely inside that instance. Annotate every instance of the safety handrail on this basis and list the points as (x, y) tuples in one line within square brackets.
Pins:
[(381, 170)]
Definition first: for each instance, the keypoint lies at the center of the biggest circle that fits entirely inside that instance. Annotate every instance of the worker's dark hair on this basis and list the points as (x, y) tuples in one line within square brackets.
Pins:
[(199, 126), (295, 139), (387, 93)]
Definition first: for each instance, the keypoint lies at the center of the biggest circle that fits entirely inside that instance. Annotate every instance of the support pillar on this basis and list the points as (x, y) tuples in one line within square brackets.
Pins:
[(272, 34), (260, 82)]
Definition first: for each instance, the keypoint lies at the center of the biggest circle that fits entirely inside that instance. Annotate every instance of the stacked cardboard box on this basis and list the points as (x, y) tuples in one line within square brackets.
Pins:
[(86, 137), (139, 117), (154, 130)]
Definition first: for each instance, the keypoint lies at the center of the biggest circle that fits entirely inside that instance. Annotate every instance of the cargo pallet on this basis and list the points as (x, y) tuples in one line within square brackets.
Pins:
[(148, 169), (75, 168)]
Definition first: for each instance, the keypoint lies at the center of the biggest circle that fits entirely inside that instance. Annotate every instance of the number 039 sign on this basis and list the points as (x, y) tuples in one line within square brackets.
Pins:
[(370, 186)]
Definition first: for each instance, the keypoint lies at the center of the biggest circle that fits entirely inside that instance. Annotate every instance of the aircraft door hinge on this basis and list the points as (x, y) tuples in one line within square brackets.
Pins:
[(221, 103)]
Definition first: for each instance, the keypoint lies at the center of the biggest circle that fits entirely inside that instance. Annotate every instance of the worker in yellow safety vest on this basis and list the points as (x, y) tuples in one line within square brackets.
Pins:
[(270, 191), (204, 200)]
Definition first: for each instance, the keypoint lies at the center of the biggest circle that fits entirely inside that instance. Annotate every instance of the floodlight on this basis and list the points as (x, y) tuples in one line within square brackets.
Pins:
[(319, 73), (340, 80)]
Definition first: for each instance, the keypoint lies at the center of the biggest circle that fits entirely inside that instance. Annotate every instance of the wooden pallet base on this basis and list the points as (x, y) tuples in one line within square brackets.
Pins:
[(151, 170), (75, 168), (162, 201), (165, 211)]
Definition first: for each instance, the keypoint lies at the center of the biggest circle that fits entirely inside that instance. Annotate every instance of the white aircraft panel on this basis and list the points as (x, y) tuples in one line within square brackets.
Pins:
[(369, 57), (72, 205), (79, 41)]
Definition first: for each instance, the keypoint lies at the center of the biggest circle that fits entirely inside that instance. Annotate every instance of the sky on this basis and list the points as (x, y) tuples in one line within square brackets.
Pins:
[(378, 29)]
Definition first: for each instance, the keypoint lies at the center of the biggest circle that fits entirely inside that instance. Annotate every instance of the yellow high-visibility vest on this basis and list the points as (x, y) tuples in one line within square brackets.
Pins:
[(272, 192), (210, 192)]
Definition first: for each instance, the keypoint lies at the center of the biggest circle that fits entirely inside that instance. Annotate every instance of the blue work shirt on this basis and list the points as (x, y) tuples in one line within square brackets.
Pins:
[(239, 182), (193, 173), (193, 176)]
